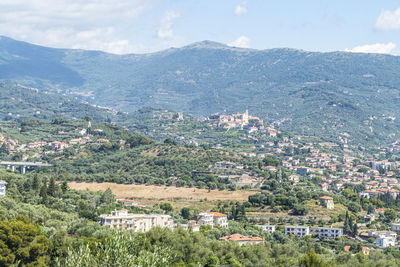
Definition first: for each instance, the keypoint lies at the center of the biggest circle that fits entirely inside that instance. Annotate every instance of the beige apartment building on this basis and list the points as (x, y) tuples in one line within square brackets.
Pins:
[(121, 219)]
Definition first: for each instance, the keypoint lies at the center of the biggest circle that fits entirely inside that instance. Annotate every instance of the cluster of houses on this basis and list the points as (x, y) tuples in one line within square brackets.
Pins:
[(239, 120), (236, 173), (59, 146), (122, 219), (11, 144)]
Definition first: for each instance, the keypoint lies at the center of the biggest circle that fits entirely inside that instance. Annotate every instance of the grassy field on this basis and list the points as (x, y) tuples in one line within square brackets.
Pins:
[(170, 193)]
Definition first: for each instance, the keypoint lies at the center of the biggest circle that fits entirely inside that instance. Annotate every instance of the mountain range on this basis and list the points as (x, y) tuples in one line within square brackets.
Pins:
[(351, 96)]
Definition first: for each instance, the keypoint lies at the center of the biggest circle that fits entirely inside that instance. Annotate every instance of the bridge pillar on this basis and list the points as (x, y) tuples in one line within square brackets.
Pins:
[(13, 168), (8, 167), (23, 169)]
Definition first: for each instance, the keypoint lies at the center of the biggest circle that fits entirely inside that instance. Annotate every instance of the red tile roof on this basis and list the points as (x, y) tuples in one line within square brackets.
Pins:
[(218, 214), (325, 197)]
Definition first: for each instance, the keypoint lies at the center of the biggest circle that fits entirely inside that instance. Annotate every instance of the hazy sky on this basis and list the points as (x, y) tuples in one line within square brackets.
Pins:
[(138, 26)]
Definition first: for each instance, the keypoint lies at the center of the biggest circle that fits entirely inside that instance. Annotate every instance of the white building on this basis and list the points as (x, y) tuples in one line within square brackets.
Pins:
[(385, 241), (329, 232), (395, 227), (269, 228), (2, 188), (205, 219), (213, 219), (384, 238), (121, 219), (220, 219), (297, 230)]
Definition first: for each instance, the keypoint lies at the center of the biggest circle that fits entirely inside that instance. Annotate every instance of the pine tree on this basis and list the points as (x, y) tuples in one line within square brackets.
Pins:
[(4, 149), (43, 194), (64, 186), (51, 191), (355, 230), (346, 228), (36, 183)]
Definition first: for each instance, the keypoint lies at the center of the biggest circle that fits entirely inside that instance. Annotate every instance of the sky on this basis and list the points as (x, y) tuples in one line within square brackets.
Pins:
[(143, 26)]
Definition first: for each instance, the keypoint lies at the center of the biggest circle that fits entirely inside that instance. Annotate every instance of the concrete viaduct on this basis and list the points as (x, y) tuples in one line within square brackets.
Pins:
[(23, 165)]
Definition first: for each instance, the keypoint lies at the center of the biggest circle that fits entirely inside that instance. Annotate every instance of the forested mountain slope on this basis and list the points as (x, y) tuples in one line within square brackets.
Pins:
[(326, 94)]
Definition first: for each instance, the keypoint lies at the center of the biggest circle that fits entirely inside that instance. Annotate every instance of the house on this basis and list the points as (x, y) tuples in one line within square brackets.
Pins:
[(383, 238), (191, 225), (365, 250), (327, 202), (243, 240), (205, 219), (385, 241), (294, 178), (395, 227), (129, 202), (369, 218), (302, 171), (220, 219), (329, 232), (269, 228), (224, 165), (347, 248), (297, 230), (121, 219), (3, 185)]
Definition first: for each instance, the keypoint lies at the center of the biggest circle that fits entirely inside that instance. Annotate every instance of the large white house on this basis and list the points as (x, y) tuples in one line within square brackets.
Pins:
[(269, 228), (384, 238), (121, 219), (297, 230), (213, 219), (329, 232), (220, 219), (395, 227), (3, 185), (205, 219)]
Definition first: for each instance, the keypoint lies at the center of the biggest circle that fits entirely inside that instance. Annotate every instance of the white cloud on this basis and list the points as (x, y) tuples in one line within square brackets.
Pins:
[(109, 25), (165, 31), (374, 48), (242, 41), (241, 9), (388, 20)]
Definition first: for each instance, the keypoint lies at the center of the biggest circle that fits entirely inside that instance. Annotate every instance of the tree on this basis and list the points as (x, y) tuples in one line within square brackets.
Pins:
[(107, 196), (355, 229), (311, 259), (371, 209), (300, 210), (64, 186), (36, 183), (4, 150), (169, 141), (51, 190), (43, 194), (22, 242), (185, 213), (390, 215), (354, 207), (167, 207)]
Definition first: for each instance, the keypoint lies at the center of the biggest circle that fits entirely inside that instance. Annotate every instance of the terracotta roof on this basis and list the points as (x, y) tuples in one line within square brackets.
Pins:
[(325, 197), (346, 248), (218, 214), (239, 237)]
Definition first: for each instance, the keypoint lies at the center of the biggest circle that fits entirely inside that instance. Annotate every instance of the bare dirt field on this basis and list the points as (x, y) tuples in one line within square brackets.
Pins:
[(162, 192)]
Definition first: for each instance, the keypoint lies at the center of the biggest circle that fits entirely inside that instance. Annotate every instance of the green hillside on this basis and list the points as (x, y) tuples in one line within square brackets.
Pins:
[(325, 94)]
